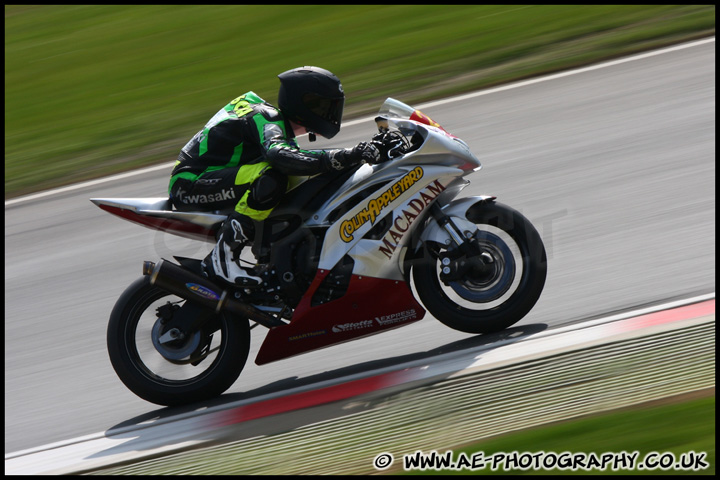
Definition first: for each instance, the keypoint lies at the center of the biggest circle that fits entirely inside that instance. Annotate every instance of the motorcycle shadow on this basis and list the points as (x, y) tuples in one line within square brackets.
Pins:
[(463, 353), (466, 348)]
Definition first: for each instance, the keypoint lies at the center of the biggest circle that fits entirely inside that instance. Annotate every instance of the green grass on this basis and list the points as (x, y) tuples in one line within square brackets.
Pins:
[(676, 428), (93, 90), (673, 426)]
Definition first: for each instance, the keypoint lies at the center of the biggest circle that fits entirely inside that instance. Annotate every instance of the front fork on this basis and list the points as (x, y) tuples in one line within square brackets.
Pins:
[(463, 255)]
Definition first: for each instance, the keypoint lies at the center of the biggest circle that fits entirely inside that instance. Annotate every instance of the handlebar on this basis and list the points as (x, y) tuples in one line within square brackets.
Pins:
[(391, 144)]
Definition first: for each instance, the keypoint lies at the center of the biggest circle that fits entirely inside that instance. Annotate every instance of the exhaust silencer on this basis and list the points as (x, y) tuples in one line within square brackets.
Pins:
[(194, 288)]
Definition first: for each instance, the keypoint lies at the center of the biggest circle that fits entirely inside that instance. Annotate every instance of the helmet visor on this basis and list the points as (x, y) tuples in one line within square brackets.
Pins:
[(329, 109)]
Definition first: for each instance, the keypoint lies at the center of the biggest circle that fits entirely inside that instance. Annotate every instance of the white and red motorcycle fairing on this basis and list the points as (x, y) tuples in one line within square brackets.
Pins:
[(340, 251)]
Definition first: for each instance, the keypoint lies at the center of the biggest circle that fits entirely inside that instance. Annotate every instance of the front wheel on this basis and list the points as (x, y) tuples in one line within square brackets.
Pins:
[(493, 286), (164, 365)]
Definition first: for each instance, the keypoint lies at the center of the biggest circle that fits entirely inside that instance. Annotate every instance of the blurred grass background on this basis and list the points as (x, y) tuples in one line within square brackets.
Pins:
[(644, 429), (94, 90)]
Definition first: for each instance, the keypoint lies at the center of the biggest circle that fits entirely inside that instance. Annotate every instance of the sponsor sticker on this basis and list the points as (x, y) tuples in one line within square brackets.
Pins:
[(346, 327), (305, 335), (407, 216), (397, 317), (202, 291), (377, 204)]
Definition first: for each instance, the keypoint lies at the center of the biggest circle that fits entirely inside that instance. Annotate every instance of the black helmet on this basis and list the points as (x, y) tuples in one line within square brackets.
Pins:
[(312, 97)]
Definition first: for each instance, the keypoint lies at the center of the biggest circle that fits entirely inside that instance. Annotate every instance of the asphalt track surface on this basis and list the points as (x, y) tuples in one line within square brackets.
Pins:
[(615, 166)]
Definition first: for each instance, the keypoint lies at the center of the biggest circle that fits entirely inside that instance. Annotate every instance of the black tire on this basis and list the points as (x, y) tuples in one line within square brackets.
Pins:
[(214, 376), (508, 294)]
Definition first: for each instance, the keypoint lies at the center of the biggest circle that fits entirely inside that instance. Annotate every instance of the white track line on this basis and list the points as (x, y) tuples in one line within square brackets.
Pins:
[(436, 103)]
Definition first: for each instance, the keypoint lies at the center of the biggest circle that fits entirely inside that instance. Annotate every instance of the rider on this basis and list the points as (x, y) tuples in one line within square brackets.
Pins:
[(243, 156)]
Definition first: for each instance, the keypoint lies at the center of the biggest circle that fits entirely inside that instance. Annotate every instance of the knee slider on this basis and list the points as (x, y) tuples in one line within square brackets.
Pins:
[(267, 190)]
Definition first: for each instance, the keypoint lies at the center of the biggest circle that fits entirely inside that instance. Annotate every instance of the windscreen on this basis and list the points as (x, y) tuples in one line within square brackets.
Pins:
[(392, 108)]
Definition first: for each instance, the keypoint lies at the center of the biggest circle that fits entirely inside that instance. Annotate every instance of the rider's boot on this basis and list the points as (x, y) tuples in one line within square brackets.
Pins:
[(223, 262)]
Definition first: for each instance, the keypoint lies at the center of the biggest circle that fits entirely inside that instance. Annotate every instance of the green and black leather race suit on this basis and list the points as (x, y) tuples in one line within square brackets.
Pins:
[(241, 160)]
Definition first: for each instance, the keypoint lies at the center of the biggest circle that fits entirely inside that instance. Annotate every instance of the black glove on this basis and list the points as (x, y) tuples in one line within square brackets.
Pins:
[(349, 157), (365, 152), (390, 145)]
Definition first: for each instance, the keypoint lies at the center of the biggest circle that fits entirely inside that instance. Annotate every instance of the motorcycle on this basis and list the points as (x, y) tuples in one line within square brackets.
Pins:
[(340, 256)]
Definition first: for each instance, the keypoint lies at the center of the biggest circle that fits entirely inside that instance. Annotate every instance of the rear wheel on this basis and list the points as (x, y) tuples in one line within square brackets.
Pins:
[(164, 365), (494, 284)]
